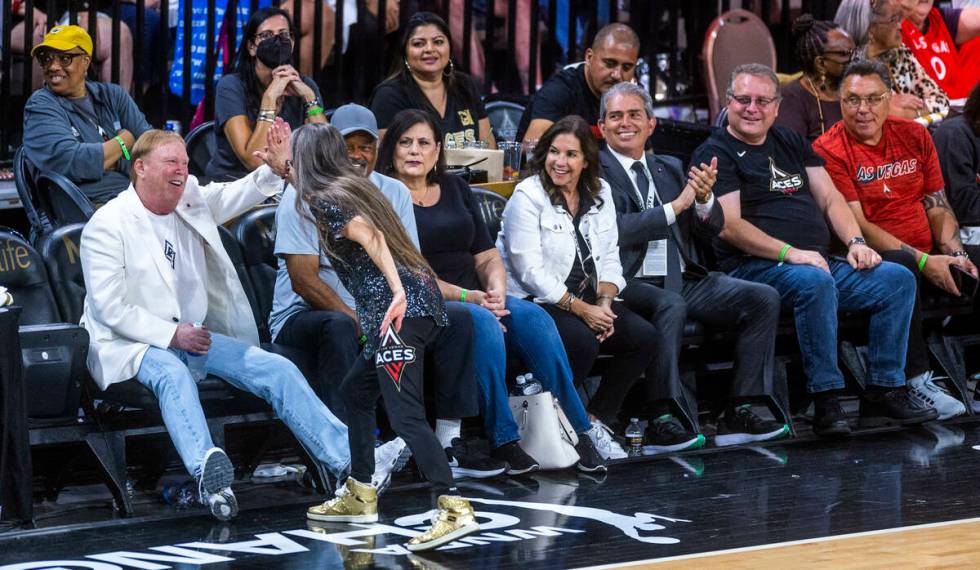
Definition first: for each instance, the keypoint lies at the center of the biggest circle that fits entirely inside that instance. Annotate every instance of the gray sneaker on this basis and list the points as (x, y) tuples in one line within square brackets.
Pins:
[(214, 485)]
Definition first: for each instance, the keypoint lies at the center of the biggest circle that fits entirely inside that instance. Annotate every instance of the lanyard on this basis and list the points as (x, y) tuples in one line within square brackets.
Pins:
[(651, 201), (593, 277)]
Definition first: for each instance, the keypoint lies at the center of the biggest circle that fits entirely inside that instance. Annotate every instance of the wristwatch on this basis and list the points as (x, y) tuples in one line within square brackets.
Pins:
[(706, 199), (856, 240)]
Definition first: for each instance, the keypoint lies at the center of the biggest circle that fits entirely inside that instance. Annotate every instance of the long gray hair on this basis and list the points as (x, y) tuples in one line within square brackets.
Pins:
[(854, 17), (324, 173)]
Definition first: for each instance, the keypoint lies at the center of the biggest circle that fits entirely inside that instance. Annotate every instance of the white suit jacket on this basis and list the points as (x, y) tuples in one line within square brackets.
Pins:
[(130, 304), (537, 242)]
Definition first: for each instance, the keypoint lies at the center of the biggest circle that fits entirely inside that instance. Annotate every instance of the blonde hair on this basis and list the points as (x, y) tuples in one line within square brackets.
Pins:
[(147, 142)]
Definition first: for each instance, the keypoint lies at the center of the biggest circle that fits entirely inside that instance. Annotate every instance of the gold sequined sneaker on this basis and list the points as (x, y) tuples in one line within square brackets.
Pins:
[(355, 502), (455, 519)]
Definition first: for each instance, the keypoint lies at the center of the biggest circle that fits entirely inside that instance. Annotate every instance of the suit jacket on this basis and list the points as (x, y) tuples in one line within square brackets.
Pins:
[(638, 226), (130, 304)]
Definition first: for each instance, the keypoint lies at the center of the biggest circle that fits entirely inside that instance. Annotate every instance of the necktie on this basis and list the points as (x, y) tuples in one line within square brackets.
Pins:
[(673, 281)]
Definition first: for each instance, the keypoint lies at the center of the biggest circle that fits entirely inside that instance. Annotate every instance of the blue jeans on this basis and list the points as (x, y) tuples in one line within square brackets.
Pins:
[(249, 368), (887, 292), (532, 334)]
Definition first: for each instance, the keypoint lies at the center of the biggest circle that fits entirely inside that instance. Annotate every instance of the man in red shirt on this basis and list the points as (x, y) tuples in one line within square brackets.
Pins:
[(888, 171)]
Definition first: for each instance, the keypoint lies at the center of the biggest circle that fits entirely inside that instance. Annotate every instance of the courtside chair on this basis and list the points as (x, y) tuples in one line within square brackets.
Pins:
[(733, 38), (200, 146)]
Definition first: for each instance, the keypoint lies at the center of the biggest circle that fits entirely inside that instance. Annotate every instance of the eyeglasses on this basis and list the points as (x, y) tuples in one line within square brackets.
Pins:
[(65, 59), (848, 54), (283, 35), (746, 101), (854, 102)]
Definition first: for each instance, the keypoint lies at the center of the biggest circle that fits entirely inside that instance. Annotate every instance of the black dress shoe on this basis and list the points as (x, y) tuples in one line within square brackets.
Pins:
[(889, 407), (829, 419)]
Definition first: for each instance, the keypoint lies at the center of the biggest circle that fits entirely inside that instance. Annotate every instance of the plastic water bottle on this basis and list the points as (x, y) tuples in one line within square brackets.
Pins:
[(196, 362), (180, 495), (634, 438), (518, 389), (531, 385)]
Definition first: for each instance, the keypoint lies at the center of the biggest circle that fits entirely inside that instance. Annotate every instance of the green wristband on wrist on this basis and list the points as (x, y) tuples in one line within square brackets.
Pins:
[(462, 295), (782, 252), (314, 111), (922, 261), (122, 145)]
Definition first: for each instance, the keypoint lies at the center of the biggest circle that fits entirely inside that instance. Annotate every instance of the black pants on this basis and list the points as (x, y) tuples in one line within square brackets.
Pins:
[(398, 380), (718, 300), (629, 345), (332, 337), (917, 353)]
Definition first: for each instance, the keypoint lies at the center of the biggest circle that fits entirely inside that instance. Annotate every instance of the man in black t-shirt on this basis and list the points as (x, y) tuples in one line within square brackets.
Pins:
[(576, 90), (778, 201)]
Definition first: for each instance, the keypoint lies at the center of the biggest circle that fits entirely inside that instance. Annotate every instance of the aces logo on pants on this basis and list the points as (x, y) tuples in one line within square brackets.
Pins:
[(393, 356)]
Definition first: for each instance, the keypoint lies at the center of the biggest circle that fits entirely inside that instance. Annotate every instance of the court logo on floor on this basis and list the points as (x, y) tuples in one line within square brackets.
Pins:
[(393, 356)]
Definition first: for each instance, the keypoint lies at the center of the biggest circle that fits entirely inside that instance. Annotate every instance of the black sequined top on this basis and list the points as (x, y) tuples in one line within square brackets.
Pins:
[(367, 284)]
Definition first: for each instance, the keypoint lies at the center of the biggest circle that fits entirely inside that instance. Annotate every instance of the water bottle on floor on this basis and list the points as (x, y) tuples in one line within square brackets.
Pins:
[(531, 385), (180, 495), (634, 438), (196, 362)]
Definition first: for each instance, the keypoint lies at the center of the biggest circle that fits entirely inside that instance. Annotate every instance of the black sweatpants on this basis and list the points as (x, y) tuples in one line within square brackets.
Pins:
[(630, 346), (395, 374)]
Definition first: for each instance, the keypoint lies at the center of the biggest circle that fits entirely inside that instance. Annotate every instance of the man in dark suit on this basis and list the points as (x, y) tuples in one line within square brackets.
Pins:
[(666, 282)]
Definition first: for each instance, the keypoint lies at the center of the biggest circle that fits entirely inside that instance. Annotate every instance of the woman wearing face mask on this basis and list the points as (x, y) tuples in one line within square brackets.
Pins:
[(264, 86), (424, 77), (811, 104)]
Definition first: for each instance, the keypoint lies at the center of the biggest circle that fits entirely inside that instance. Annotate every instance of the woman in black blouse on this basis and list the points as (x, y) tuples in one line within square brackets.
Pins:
[(399, 307), (455, 241), (424, 77)]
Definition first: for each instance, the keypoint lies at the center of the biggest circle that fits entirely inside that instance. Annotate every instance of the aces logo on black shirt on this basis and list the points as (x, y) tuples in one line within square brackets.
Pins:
[(783, 181), (393, 356)]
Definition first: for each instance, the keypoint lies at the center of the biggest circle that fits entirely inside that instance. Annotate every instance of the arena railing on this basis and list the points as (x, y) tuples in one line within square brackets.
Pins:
[(656, 21)]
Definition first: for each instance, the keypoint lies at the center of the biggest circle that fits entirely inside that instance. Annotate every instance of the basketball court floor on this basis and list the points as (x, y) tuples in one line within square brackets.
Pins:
[(892, 498)]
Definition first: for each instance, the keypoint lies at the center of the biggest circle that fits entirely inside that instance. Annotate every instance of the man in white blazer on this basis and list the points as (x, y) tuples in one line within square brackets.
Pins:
[(164, 305)]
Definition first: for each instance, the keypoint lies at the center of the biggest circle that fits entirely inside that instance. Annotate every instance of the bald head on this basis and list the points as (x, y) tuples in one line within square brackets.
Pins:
[(620, 34)]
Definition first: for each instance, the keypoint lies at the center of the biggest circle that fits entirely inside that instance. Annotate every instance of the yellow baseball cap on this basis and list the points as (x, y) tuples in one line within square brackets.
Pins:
[(64, 38)]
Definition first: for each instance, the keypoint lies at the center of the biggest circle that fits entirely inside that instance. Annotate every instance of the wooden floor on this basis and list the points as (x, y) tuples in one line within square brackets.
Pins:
[(954, 544)]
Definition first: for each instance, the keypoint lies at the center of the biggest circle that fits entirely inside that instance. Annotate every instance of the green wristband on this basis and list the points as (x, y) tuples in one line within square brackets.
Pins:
[(922, 261), (314, 111), (362, 340), (782, 252), (462, 295), (122, 145)]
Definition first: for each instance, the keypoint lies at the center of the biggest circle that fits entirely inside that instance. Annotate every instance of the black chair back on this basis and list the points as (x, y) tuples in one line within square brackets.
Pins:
[(234, 250), (200, 146), (60, 250), (504, 117), (22, 272), (27, 192), (61, 200), (256, 232), (491, 207)]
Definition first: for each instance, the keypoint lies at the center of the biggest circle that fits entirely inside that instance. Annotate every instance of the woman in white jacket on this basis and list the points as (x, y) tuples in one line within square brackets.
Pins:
[(559, 244)]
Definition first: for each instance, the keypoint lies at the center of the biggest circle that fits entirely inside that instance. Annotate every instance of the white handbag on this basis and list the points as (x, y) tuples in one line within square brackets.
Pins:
[(546, 434)]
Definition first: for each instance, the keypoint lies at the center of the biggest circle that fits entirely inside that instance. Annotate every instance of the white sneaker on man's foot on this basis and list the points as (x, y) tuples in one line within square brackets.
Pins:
[(388, 458), (602, 438), (214, 484), (923, 390)]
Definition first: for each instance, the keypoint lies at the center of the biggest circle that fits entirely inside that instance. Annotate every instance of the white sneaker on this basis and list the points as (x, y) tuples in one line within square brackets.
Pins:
[(923, 390), (388, 458), (214, 485), (602, 438)]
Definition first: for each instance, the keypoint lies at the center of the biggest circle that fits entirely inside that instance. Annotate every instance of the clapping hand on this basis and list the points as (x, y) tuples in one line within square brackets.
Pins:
[(278, 153)]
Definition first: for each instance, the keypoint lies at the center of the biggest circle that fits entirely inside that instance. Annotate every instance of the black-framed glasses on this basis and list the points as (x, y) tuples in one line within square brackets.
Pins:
[(854, 102), (65, 59), (848, 54), (746, 101), (283, 35)]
